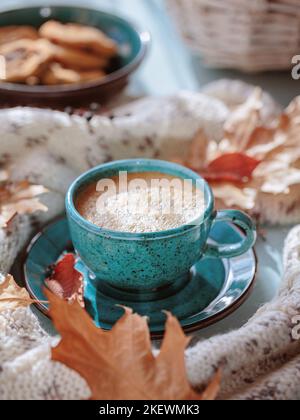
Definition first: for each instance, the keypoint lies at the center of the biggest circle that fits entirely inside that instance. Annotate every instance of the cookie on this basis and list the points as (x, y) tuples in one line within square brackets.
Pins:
[(15, 33), (58, 75), (78, 59), (33, 81), (25, 59), (79, 36), (89, 76)]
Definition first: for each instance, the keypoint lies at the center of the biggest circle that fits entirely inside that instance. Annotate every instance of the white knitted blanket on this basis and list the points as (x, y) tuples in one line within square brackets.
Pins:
[(259, 361)]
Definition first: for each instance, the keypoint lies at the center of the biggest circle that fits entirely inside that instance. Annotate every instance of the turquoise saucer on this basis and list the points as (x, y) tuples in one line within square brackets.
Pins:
[(214, 290)]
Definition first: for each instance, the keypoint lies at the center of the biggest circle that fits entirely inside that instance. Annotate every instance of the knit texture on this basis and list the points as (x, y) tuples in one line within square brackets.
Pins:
[(259, 361)]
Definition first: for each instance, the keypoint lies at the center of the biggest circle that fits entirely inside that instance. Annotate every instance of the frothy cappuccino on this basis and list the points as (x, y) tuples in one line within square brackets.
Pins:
[(143, 202)]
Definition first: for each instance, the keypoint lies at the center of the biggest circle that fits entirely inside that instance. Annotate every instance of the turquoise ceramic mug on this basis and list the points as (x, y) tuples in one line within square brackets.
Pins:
[(147, 261)]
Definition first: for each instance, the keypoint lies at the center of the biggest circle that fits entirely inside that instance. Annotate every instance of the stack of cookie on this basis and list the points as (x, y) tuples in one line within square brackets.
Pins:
[(252, 36), (55, 54)]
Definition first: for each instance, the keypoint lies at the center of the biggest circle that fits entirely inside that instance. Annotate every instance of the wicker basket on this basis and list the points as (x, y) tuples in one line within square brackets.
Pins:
[(252, 36)]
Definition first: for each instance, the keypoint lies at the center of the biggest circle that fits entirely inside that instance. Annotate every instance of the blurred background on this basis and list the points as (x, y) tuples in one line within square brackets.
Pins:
[(171, 64)]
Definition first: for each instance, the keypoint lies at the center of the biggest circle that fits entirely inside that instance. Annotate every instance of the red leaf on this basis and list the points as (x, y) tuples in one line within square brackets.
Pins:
[(231, 167), (65, 281)]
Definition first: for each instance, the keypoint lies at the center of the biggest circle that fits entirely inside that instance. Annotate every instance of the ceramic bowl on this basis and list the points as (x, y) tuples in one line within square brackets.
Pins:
[(132, 43)]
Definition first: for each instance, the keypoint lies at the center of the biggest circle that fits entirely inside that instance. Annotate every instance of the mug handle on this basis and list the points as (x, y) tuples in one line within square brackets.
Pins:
[(241, 220)]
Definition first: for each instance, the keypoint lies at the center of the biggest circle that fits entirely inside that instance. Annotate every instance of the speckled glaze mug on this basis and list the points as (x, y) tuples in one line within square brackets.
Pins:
[(148, 261)]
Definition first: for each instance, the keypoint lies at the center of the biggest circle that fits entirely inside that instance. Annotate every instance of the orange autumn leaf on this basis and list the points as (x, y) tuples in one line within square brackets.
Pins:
[(211, 392), (65, 281), (231, 167), (119, 364)]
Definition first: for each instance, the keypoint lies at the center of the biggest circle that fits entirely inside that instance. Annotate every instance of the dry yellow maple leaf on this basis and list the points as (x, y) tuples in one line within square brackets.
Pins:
[(18, 198), (13, 296), (119, 364), (241, 123), (252, 159)]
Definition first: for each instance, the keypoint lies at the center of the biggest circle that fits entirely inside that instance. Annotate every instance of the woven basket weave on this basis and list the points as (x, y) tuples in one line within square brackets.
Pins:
[(252, 36)]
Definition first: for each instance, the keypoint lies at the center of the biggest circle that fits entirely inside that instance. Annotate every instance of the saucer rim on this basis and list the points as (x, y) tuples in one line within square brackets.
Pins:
[(156, 335)]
